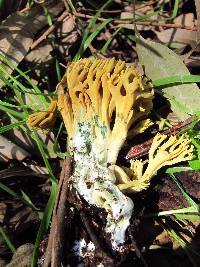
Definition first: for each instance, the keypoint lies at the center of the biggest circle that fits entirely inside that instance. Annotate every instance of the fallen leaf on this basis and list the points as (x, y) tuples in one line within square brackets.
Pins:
[(161, 62), (2, 262), (20, 172), (41, 54), (193, 62), (67, 35), (177, 38), (18, 30), (169, 196), (36, 168), (22, 256), (24, 141), (130, 26), (9, 150), (185, 19), (191, 182)]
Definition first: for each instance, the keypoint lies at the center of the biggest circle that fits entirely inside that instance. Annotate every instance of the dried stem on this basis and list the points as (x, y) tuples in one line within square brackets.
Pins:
[(54, 250), (50, 29), (77, 14), (147, 23)]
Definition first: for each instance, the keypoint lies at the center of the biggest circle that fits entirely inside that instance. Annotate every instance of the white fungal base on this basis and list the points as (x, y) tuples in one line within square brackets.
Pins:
[(82, 249), (95, 182)]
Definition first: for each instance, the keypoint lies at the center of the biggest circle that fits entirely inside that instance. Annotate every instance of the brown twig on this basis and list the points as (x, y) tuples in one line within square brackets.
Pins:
[(66, 5), (167, 25), (66, 13), (119, 10), (54, 250), (49, 30), (147, 23), (142, 149), (24, 9)]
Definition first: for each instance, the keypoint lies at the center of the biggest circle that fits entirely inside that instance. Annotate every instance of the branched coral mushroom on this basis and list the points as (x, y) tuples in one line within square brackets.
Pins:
[(162, 153), (101, 103)]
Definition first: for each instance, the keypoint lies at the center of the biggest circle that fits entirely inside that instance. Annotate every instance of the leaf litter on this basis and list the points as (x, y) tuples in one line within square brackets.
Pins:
[(19, 214)]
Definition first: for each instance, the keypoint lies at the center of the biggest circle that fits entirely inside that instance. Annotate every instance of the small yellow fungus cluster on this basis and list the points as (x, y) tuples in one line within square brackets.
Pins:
[(163, 152)]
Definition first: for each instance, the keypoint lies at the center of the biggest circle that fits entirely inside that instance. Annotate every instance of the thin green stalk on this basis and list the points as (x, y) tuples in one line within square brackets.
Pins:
[(22, 74), (17, 114), (178, 79), (44, 223), (108, 42), (86, 37), (11, 126), (2, 3), (24, 198), (7, 239)]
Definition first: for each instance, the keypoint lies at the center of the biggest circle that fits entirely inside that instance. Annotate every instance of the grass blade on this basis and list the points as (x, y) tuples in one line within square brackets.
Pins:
[(11, 126), (87, 31), (95, 33), (7, 239), (179, 79), (44, 223), (17, 114), (108, 42)]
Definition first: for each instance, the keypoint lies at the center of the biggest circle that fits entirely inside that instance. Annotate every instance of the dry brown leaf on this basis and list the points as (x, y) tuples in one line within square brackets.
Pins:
[(20, 172), (162, 239), (9, 150), (67, 34), (22, 256), (18, 30), (130, 26), (2, 262), (193, 61), (185, 19), (36, 168), (180, 37), (25, 142), (140, 10), (39, 55)]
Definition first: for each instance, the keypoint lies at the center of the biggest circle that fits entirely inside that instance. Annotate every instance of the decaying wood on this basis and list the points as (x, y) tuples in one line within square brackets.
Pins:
[(54, 250)]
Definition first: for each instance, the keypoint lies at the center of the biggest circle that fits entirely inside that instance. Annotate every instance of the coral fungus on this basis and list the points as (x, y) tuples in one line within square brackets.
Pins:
[(101, 103)]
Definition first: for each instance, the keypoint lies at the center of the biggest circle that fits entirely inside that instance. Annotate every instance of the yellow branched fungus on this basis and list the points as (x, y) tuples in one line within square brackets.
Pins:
[(102, 102), (163, 152), (106, 94)]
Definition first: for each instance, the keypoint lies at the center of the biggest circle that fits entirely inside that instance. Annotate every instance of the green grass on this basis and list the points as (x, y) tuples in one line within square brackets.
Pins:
[(7, 240), (88, 37), (20, 113), (164, 82), (187, 248), (191, 213)]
